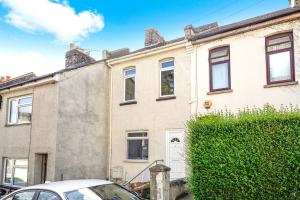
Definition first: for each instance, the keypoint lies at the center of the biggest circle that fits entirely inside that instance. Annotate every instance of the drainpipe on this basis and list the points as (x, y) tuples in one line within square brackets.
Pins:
[(110, 121)]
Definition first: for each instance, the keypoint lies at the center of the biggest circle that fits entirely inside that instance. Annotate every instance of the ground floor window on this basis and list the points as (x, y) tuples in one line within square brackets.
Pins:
[(15, 172), (137, 146)]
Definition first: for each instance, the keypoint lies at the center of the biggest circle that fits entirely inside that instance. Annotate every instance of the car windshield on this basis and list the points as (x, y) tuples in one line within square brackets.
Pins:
[(101, 192)]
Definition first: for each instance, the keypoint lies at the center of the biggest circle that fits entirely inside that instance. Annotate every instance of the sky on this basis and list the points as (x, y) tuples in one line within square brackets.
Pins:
[(35, 34)]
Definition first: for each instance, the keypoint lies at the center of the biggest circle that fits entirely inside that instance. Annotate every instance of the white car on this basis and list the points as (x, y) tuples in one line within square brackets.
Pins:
[(73, 190)]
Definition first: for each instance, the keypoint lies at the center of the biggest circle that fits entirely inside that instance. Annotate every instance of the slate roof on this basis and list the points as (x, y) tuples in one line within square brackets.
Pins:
[(31, 77), (246, 23), (21, 79)]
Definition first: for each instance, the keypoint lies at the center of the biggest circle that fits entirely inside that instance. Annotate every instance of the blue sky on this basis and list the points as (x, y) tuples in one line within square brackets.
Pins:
[(35, 35)]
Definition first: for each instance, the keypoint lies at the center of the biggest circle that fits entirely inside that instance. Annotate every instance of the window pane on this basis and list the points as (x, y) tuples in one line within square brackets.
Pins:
[(129, 89), (145, 149), (8, 170), (20, 177), (280, 47), (167, 64), (279, 40), (141, 134), (129, 72), (219, 53), (220, 59), (101, 192), (113, 192), (21, 163), (167, 82), (280, 66), (135, 149), (13, 111), (24, 114), (48, 196), (83, 194), (27, 100), (220, 76), (28, 195)]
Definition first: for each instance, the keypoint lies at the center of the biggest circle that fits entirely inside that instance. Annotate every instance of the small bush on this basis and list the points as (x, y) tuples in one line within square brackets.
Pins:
[(252, 155)]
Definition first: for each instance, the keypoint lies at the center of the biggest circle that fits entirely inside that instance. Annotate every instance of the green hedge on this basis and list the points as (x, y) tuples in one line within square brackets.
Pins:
[(252, 155)]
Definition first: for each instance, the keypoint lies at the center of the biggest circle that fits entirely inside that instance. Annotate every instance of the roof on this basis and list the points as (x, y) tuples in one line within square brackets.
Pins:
[(69, 185), (245, 23), (19, 81), (158, 45)]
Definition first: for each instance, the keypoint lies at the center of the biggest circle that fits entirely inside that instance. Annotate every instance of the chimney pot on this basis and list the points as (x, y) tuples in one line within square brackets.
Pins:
[(2, 79), (106, 54), (8, 78), (72, 46)]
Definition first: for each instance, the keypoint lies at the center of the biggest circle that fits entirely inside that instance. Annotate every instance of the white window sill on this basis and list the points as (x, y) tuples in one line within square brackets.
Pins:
[(288, 83), (167, 97), (128, 102), (20, 124), (136, 161)]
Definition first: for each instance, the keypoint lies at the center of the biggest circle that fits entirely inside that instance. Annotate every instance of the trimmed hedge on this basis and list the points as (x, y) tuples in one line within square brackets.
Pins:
[(252, 155)]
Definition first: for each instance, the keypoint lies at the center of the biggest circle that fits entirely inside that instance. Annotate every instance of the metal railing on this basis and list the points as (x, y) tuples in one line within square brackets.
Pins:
[(150, 165)]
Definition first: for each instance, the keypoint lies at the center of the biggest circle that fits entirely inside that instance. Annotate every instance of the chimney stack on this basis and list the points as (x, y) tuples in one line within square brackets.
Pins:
[(294, 3), (2, 79), (115, 54), (153, 37), (189, 31), (77, 56)]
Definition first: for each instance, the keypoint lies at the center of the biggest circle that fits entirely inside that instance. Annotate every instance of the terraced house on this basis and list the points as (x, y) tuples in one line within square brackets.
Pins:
[(248, 63), (115, 117), (53, 128)]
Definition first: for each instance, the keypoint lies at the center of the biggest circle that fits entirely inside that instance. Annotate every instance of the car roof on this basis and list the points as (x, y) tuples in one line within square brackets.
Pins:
[(69, 185)]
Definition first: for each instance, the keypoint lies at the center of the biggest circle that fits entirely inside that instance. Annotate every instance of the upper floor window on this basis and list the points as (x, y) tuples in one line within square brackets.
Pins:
[(219, 61), (19, 110), (137, 146), (15, 172), (129, 84), (280, 58), (167, 78)]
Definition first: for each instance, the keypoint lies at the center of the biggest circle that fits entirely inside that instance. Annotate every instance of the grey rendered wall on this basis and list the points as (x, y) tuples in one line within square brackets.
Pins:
[(82, 129)]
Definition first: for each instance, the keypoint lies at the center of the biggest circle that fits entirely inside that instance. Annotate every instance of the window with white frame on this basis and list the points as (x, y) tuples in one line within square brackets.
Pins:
[(129, 84), (15, 172), (137, 146), (19, 110), (167, 85)]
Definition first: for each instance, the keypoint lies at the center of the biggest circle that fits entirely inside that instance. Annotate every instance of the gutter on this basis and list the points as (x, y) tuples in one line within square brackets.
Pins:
[(51, 80), (228, 31), (149, 52)]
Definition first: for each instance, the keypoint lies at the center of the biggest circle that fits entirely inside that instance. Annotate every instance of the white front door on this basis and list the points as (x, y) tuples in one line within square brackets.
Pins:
[(175, 157)]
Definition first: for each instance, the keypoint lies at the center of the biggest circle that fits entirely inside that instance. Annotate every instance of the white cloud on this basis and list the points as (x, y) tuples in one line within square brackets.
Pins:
[(54, 17), (19, 64)]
